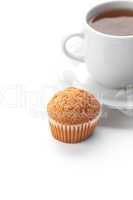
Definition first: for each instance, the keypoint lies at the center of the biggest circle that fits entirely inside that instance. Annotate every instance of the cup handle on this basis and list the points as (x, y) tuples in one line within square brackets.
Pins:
[(66, 51)]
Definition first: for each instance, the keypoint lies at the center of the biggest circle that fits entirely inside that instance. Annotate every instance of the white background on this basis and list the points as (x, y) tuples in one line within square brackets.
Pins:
[(32, 164)]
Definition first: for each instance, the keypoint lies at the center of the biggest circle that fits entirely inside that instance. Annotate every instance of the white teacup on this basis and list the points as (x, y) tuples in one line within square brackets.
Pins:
[(109, 58)]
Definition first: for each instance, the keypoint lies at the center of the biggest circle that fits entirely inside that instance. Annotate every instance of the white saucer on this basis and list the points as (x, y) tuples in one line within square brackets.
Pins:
[(121, 99)]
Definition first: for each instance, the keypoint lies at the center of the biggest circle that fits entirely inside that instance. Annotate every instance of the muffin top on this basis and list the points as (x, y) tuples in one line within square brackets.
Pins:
[(73, 106)]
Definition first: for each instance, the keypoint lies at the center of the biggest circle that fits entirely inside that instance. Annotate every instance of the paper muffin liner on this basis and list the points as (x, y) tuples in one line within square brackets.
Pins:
[(73, 133)]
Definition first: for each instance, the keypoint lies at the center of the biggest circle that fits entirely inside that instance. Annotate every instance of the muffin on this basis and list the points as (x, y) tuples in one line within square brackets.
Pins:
[(73, 115)]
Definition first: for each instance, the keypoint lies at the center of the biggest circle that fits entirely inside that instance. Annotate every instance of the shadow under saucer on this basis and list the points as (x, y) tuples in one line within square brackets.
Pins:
[(115, 119)]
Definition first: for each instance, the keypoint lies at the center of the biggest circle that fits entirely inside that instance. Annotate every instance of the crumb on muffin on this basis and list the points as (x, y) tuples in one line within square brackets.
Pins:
[(73, 106)]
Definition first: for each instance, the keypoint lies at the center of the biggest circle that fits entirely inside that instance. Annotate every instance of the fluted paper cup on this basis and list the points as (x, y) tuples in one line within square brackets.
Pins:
[(73, 133)]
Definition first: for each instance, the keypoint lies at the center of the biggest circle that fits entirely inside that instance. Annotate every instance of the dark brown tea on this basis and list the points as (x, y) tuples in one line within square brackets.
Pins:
[(113, 22)]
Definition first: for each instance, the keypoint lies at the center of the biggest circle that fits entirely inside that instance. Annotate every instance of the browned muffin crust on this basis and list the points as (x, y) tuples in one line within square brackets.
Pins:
[(73, 106)]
